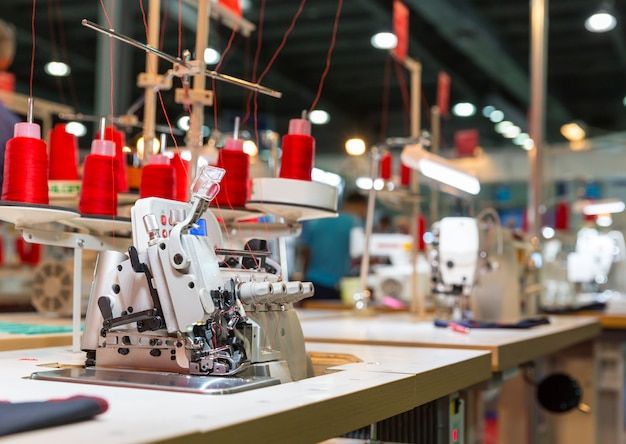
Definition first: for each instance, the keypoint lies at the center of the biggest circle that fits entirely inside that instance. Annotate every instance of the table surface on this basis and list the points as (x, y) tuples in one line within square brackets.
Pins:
[(17, 341), (388, 381), (509, 347)]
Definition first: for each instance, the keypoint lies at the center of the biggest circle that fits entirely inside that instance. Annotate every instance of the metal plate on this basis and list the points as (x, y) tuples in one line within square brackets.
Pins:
[(100, 224), (26, 215), (208, 385)]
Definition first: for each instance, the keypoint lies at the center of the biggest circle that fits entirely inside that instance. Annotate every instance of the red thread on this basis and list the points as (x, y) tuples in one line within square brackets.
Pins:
[(25, 171), (30, 254), (63, 163), (236, 185), (385, 166), (119, 139), (329, 55), (181, 166), (298, 155), (405, 175), (158, 180), (98, 194)]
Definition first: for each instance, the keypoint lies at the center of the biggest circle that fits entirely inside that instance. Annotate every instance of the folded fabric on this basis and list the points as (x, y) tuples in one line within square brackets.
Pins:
[(523, 324), (26, 416)]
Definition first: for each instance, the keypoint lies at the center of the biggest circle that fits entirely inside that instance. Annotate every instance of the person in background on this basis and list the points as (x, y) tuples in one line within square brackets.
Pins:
[(324, 247)]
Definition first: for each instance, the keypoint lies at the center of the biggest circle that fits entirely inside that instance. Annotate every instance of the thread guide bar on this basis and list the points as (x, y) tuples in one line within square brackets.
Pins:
[(178, 61)]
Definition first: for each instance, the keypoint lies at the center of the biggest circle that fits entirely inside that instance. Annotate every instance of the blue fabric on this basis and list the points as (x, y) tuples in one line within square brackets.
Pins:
[(328, 241), (7, 122)]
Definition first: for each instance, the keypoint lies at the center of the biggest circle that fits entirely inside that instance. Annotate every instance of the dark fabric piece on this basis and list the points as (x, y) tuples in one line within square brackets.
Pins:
[(523, 324), (26, 416), (324, 292)]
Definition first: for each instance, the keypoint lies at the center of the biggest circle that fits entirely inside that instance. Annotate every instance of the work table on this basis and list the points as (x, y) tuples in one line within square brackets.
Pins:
[(509, 347), (388, 381)]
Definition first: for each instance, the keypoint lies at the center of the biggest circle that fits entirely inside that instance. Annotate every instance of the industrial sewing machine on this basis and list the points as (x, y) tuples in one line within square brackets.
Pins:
[(473, 280), (178, 304)]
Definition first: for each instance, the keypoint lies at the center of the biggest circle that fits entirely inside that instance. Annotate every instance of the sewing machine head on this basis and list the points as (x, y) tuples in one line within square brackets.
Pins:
[(179, 302)]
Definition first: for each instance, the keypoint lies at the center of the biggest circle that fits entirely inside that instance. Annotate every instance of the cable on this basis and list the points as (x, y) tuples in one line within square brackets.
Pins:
[(329, 55)]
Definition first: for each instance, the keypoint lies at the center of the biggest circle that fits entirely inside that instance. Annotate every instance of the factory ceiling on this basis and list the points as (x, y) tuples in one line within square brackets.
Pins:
[(482, 44)]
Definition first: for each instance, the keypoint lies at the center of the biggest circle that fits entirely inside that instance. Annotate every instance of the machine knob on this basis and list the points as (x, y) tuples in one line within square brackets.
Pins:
[(151, 223), (254, 292), (177, 215)]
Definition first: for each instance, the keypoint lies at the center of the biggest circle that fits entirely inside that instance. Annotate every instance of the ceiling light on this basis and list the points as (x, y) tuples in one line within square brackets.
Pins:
[(512, 132), (365, 183), (601, 21), (183, 123), (211, 56), (126, 149), (250, 148), (548, 232), (355, 147), (156, 146), (487, 110), (319, 117), (528, 144), (496, 116), (573, 132), (76, 128), (57, 69), (384, 40), (464, 109), (520, 139), (503, 126), (608, 206), (439, 169)]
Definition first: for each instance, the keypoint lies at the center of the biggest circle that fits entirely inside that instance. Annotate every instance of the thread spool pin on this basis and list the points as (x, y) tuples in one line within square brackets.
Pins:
[(236, 129)]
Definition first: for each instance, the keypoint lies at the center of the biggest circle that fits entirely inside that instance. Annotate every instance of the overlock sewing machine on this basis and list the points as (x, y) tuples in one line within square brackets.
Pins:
[(179, 311)]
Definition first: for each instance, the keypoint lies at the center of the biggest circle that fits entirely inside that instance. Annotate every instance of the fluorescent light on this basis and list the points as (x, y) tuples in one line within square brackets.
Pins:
[(487, 110), (604, 220), (512, 132), (76, 128), (365, 183), (464, 109), (601, 21), (211, 56), (319, 117), (355, 147), (326, 177), (439, 169), (57, 69), (384, 40), (250, 148), (548, 232), (604, 207), (496, 116), (573, 132), (183, 123), (503, 126)]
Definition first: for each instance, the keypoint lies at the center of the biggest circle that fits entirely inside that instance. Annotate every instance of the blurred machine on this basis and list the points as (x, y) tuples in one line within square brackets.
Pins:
[(180, 303), (390, 269), (482, 271)]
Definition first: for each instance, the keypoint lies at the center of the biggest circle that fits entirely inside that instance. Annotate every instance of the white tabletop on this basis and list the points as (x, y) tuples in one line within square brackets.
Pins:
[(509, 347), (389, 381)]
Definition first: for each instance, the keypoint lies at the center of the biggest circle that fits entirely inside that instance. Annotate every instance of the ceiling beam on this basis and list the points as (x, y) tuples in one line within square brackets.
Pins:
[(465, 30)]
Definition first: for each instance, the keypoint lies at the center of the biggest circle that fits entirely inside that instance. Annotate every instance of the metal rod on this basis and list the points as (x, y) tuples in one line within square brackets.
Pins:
[(236, 128), (29, 112), (178, 61), (152, 72), (536, 121), (435, 123), (77, 298), (103, 125), (163, 143)]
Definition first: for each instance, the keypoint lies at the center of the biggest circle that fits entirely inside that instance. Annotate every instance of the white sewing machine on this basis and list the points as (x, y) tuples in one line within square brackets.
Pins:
[(180, 304), (471, 280), (392, 278)]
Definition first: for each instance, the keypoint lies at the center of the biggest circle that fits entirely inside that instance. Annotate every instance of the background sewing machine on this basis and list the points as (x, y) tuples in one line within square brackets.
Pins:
[(482, 271), (181, 304), (390, 270)]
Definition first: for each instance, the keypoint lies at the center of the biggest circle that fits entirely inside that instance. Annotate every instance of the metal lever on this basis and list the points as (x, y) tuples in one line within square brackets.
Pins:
[(178, 61)]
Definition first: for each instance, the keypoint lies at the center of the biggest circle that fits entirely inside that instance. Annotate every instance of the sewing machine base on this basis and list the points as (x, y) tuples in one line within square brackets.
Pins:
[(251, 378)]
